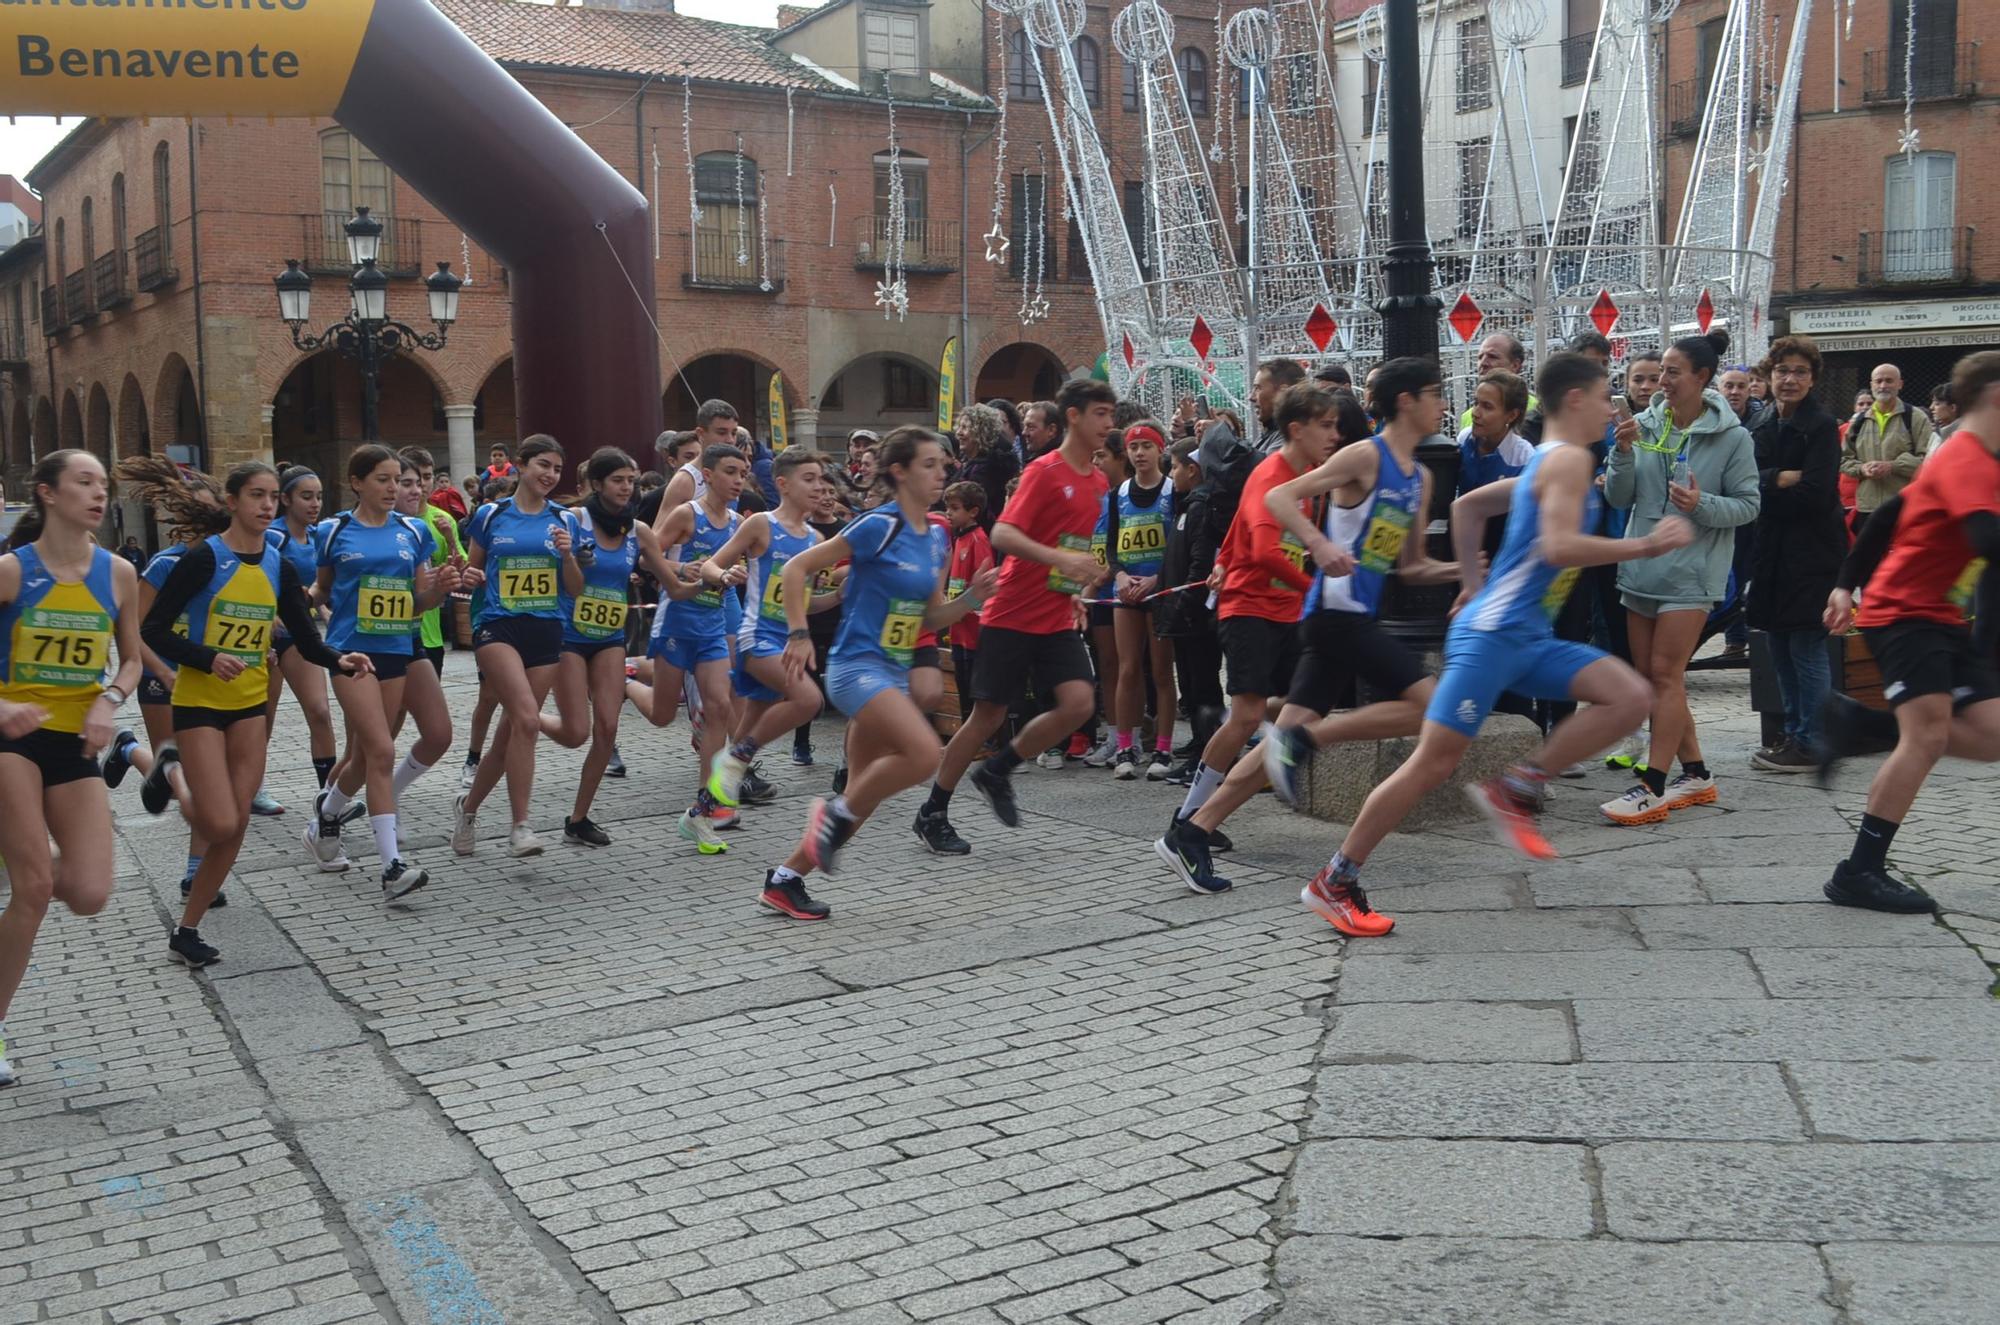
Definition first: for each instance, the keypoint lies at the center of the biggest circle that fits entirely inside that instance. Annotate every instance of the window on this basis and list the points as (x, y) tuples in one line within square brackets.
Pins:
[(118, 213), (1138, 221), (1583, 162), (89, 232), (1919, 211), (1474, 157), (1090, 68), (1934, 60), (163, 193), (916, 204), (62, 253), (1024, 69), (725, 192), (1707, 53), (1371, 90), (1243, 80), (1475, 64), (1027, 224), (904, 386), (350, 177), (1301, 82), (891, 42), (1194, 78), (1077, 258)]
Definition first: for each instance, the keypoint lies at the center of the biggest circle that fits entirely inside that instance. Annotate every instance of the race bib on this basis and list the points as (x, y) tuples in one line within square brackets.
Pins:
[(1292, 550), (599, 613), (773, 608), (953, 588), (1966, 586), (1558, 594), (1061, 583), (1144, 541), (527, 585), (900, 629), (54, 647), (244, 629), (1383, 543), (385, 605)]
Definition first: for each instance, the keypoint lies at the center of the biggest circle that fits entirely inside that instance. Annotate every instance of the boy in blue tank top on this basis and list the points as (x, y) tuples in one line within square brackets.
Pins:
[(1502, 637)]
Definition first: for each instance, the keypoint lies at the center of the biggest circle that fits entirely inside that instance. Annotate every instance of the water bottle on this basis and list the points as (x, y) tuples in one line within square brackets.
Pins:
[(1682, 474)]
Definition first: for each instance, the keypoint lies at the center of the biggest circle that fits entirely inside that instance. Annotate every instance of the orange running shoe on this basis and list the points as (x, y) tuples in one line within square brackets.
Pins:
[(1512, 817), (723, 817), (1342, 904)]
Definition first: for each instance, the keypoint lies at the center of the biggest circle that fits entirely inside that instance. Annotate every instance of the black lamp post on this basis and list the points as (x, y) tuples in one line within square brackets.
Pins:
[(1409, 309), (367, 334)]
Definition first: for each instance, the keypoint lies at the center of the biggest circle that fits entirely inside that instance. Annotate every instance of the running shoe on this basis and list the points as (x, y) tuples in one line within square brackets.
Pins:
[(1788, 757), (1876, 890), (827, 831), (1159, 766), (1126, 769), (1341, 903), (1078, 745), (697, 829), (1287, 751), (221, 898), (401, 879), (119, 762), (1686, 790), (322, 838), (616, 768), (934, 830), (584, 833), (522, 842), (1846, 727), (1512, 816), (840, 778), (185, 946), (1219, 841), (1184, 850), (788, 898), (755, 789), (265, 805), (1637, 746), (461, 825), (1638, 806), (1573, 772), (802, 754), (1049, 759), (725, 819), (155, 792), (997, 789), (1104, 755), (7, 1077), (725, 780), (470, 771)]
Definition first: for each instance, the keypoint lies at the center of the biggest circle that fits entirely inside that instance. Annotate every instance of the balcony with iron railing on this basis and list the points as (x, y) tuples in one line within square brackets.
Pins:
[(13, 346), (1684, 103), (1475, 82), (1910, 257), (712, 262), (52, 311), (324, 243), (929, 247), (76, 296), (1937, 72), (1576, 57), (108, 280), (150, 257)]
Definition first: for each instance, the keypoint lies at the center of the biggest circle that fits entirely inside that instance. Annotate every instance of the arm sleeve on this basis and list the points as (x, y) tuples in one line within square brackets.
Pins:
[(190, 574), (296, 612), (1982, 530), (1737, 503), (1621, 478), (1870, 545)]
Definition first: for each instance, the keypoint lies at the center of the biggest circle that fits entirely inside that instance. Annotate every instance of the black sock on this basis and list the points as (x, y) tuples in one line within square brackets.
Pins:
[(1655, 780), (1006, 761), (323, 769), (940, 801), (1871, 844), (1696, 769)]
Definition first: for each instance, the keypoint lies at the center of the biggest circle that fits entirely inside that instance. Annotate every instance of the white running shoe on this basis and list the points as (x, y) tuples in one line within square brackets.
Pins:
[(1049, 759), (325, 850), (698, 829), (1637, 806), (725, 780), (401, 879), (1685, 791), (1127, 767), (1104, 755), (461, 825), (1573, 772), (522, 842), (6, 1069)]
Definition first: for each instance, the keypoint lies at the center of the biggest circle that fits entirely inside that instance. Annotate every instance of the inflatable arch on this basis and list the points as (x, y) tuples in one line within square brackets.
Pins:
[(572, 232)]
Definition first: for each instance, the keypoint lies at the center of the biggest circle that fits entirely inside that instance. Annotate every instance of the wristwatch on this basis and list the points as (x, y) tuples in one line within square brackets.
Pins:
[(121, 696)]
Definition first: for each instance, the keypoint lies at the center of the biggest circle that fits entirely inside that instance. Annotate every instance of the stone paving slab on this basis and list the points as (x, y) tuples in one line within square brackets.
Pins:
[(1442, 1188), (1450, 1033), (1517, 977), (1756, 925), (1792, 1030), (1898, 1284), (1934, 1101), (1924, 972), (1579, 930)]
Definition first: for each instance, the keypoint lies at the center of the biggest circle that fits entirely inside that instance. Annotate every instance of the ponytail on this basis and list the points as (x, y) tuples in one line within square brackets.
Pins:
[(190, 500)]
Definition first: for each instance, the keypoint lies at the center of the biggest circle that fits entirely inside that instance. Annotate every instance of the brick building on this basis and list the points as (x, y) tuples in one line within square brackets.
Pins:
[(142, 314), (1879, 252)]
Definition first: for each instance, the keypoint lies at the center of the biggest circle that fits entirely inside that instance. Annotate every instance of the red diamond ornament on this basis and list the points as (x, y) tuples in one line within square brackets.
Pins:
[(1320, 328), (1131, 355), (1704, 312), (1604, 313), (1466, 318), (1201, 338)]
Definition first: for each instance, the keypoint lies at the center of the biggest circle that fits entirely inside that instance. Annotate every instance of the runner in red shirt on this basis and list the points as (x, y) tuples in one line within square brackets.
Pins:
[(1943, 691), (1028, 629)]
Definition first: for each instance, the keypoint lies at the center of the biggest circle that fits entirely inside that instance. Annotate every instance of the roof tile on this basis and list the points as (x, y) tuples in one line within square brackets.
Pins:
[(597, 40)]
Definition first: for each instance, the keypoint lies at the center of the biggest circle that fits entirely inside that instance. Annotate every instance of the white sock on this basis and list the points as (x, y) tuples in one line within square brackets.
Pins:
[(406, 773), (1206, 780), (385, 836), (336, 801)]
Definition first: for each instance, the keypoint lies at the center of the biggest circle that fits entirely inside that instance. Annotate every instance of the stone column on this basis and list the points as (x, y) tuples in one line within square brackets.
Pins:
[(463, 453), (805, 428)]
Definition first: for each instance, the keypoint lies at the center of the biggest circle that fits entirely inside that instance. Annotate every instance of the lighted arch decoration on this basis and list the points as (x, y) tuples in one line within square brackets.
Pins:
[(571, 231)]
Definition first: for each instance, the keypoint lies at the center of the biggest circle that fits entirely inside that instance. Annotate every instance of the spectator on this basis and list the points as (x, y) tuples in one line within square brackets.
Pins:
[(1192, 541), (1336, 376), (1734, 384), (1760, 382), (132, 552), (1799, 546), (472, 487), (1501, 352), (1944, 411), (497, 464), (652, 481), (985, 457), (1489, 449), (1186, 418), (1011, 437), (1885, 442), (1041, 430), (1273, 376), (761, 458)]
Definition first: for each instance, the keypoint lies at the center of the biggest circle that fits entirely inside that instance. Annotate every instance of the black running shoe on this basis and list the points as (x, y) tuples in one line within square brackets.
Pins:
[(583, 833), (186, 947), (788, 898), (1219, 841), (998, 791), (934, 830), (1876, 890), (155, 792), (1184, 850), (616, 768), (827, 831), (401, 879), (221, 898), (755, 789), (1287, 751), (118, 763), (840, 780)]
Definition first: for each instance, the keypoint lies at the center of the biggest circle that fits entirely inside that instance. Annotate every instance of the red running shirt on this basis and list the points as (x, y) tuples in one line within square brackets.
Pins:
[(971, 553), (1930, 571), (1056, 505), (928, 639), (1264, 567)]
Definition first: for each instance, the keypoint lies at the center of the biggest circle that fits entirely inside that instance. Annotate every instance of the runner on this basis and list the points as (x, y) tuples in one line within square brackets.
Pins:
[(232, 586), (775, 700), (1097, 744), (1138, 514), (1943, 691), (895, 588), (1502, 639), (524, 554), (62, 601), (300, 498), (1377, 508), (1028, 631), (375, 576), (590, 678)]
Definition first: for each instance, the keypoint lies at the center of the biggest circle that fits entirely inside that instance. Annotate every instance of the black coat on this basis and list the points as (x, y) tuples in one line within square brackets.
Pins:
[(1801, 538)]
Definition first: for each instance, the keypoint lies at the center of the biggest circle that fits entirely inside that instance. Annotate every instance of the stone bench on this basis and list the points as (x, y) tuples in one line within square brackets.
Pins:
[(1341, 777)]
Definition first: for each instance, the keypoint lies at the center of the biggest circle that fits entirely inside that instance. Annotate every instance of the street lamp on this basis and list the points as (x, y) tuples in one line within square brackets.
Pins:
[(367, 335), (1409, 308)]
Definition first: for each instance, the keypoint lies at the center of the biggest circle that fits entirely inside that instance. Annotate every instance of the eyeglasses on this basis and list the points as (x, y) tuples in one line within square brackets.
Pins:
[(1791, 372)]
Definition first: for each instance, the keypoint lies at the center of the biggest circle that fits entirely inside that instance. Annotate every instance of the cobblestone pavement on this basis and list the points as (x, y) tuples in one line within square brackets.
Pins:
[(1657, 1081)]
